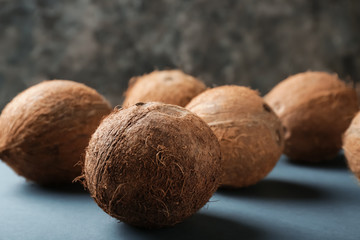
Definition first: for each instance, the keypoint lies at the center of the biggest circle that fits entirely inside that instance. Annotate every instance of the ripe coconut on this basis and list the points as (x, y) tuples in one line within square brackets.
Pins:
[(357, 90), (315, 108), (168, 86), (352, 147), (249, 132), (46, 128), (152, 165)]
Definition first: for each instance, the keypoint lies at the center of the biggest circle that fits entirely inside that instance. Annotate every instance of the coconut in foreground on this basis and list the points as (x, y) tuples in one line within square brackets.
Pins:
[(168, 86), (315, 108), (250, 134), (152, 165), (352, 147), (46, 128)]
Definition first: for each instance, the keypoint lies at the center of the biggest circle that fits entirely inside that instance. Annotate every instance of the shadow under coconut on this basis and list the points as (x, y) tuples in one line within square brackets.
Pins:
[(67, 189), (276, 189), (198, 226), (339, 162)]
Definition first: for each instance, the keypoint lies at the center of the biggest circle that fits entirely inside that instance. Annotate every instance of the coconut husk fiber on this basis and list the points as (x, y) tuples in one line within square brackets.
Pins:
[(167, 86), (249, 132), (315, 108), (152, 165), (46, 128), (352, 147)]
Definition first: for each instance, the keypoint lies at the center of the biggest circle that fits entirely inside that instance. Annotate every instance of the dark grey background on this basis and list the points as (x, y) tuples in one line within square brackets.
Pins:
[(297, 202), (104, 43)]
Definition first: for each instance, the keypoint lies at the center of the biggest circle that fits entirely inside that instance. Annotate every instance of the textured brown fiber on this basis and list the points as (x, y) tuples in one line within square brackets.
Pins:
[(152, 165), (46, 128), (315, 108), (168, 86), (250, 134), (352, 145)]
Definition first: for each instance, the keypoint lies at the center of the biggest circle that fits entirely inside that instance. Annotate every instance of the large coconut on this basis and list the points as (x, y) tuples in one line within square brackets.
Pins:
[(152, 165), (46, 128), (250, 134), (168, 86), (352, 145), (315, 108)]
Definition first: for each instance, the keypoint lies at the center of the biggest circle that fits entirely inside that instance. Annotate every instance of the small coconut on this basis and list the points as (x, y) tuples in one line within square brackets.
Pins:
[(352, 147), (315, 108), (46, 128), (168, 86), (249, 132), (152, 165)]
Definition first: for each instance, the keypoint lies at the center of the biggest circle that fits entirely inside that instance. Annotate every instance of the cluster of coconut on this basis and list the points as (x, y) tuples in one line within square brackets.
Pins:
[(159, 159)]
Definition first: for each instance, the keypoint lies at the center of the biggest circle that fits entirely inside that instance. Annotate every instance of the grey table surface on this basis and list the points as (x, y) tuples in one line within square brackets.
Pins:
[(294, 202)]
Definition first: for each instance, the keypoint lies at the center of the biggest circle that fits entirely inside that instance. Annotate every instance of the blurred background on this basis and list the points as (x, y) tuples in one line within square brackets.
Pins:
[(104, 43)]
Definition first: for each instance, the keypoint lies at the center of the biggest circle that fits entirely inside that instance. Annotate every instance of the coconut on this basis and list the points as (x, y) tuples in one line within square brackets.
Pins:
[(352, 147), (315, 108), (46, 128), (357, 90), (152, 165), (250, 134), (168, 86)]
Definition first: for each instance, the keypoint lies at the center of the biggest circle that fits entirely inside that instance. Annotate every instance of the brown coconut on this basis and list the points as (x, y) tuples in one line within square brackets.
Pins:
[(352, 145), (357, 90), (46, 128), (250, 134), (315, 108), (168, 86), (152, 165)]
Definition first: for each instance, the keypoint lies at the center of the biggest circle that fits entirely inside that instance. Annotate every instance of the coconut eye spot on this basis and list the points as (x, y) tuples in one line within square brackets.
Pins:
[(139, 104), (267, 108), (284, 129), (118, 107)]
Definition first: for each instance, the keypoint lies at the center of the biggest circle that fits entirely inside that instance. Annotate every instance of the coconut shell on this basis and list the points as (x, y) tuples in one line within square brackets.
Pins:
[(357, 90), (168, 86), (315, 108), (352, 145), (46, 128), (250, 134), (152, 165)]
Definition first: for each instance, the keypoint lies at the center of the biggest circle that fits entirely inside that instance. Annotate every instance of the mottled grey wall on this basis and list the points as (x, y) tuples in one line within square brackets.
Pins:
[(104, 43)]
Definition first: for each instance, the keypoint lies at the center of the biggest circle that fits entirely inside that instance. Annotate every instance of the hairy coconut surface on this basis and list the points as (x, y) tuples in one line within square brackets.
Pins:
[(352, 145), (168, 86), (315, 108), (249, 132), (46, 128), (152, 165)]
